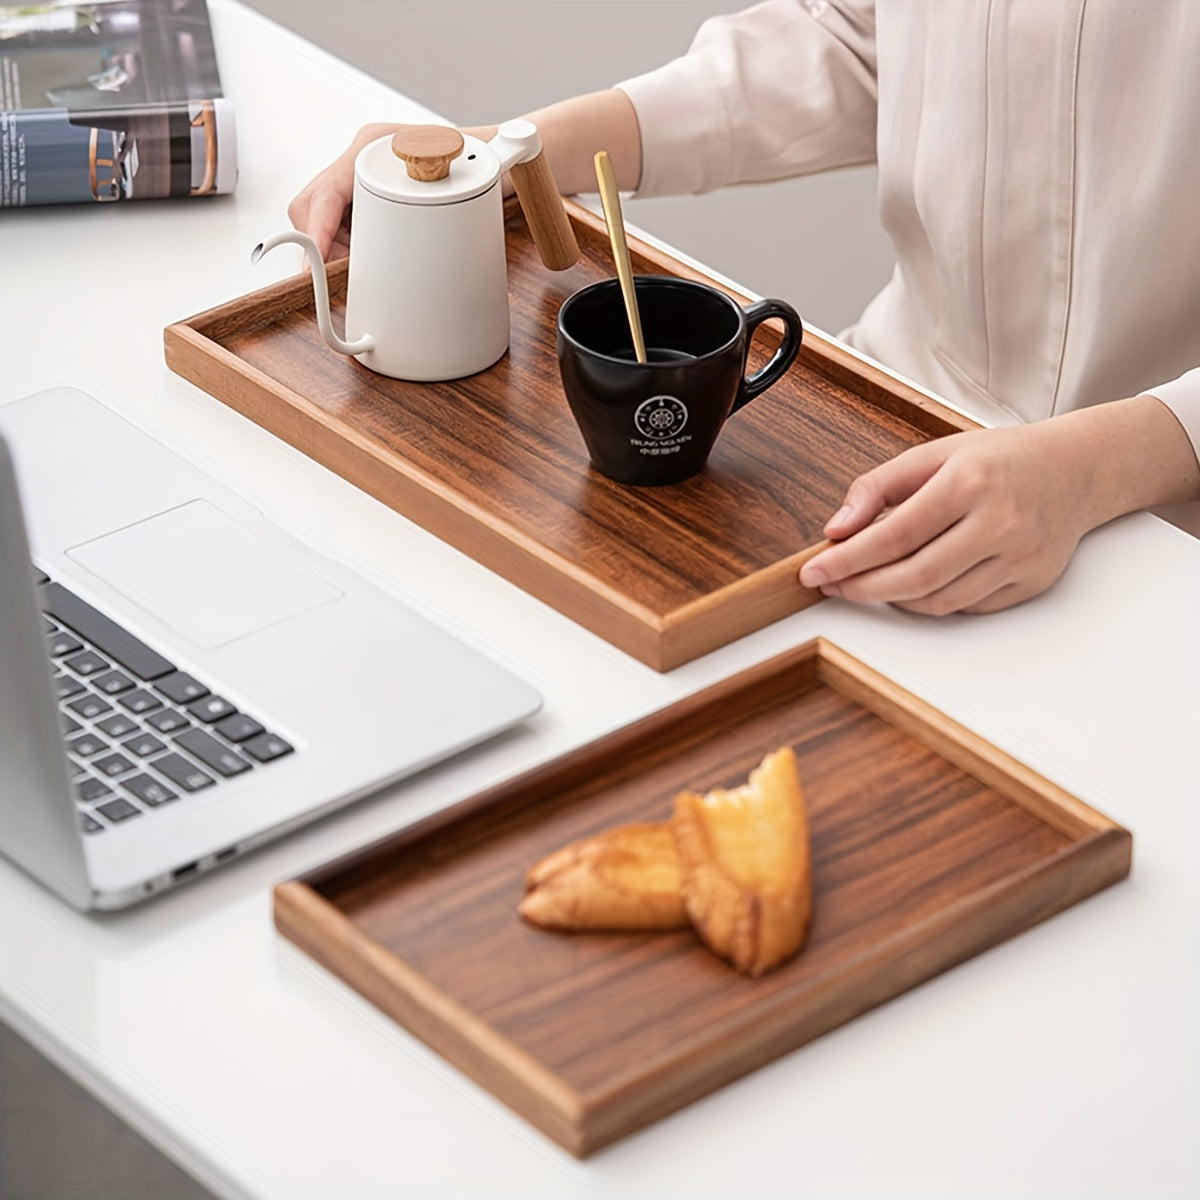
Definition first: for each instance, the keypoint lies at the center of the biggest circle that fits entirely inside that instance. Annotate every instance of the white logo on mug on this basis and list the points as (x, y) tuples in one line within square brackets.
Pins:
[(660, 417)]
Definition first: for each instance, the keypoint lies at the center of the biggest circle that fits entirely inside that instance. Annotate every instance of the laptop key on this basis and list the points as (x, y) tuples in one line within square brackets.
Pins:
[(144, 745), (117, 726), (118, 809), (105, 634), (61, 642), (139, 701), (211, 708), (167, 720), (267, 747), (66, 685), (87, 663), (87, 744), (89, 707), (238, 727), (212, 753), (90, 789), (112, 683), (149, 791), (112, 765), (89, 824), (179, 771), (180, 687)]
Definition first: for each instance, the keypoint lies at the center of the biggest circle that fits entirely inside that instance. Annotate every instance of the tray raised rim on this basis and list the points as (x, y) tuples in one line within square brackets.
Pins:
[(1098, 853)]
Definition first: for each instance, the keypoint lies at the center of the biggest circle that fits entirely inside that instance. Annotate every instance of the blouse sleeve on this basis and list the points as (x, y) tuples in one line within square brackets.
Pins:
[(1182, 397), (784, 88)]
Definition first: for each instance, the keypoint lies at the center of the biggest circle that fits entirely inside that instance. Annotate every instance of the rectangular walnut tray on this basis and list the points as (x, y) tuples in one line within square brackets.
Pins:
[(495, 466), (928, 846)]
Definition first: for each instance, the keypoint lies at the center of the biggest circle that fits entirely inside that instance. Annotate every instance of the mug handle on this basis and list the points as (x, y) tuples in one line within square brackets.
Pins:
[(793, 334)]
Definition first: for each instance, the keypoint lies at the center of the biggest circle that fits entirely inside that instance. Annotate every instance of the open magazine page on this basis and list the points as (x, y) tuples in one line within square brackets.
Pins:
[(110, 101)]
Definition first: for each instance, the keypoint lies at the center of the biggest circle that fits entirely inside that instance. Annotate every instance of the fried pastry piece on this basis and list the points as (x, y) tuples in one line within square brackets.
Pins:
[(746, 872), (626, 878)]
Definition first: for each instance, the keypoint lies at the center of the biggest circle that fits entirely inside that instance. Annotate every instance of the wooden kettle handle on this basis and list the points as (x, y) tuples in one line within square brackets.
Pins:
[(544, 211)]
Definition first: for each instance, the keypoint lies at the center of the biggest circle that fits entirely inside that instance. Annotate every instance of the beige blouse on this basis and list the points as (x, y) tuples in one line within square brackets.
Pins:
[(1039, 177)]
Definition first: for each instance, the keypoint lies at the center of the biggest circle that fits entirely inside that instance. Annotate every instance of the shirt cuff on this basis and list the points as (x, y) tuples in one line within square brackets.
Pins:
[(1182, 397)]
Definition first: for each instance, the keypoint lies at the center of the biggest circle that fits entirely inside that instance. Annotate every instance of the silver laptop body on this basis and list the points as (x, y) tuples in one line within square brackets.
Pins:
[(326, 688)]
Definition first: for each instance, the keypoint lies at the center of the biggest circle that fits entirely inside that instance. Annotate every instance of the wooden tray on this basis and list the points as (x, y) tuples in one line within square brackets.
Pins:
[(495, 466), (929, 845)]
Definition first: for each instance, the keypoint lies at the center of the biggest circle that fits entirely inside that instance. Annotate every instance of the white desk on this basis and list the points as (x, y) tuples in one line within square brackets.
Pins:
[(1062, 1064)]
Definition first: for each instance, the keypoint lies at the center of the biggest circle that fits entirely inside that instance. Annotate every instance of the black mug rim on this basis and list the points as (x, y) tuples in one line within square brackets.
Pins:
[(657, 282)]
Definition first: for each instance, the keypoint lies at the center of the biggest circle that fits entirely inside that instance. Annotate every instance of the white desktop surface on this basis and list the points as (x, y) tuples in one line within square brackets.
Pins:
[(1064, 1063)]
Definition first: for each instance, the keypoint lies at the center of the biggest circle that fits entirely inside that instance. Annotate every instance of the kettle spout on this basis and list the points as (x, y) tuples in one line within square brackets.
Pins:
[(320, 289)]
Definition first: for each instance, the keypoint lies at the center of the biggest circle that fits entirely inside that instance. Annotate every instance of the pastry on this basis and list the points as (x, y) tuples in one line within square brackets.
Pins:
[(745, 859), (627, 878)]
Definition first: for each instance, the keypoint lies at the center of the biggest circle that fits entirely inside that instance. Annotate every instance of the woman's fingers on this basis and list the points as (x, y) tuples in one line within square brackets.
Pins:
[(946, 564), (884, 487), (887, 515), (985, 589), (320, 211), (322, 208)]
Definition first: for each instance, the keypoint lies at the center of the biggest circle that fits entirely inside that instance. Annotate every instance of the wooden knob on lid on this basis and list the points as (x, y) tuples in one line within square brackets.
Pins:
[(427, 150)]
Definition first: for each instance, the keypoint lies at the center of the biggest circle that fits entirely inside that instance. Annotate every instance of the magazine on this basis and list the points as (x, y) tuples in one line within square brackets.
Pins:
[(109, 101)]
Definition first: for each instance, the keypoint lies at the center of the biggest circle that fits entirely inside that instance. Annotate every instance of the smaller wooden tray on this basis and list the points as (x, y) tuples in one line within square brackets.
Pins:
[(495, 466), (928, 844)]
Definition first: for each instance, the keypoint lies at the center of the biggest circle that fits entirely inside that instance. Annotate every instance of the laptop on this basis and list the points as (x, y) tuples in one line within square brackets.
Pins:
[(180, 681)]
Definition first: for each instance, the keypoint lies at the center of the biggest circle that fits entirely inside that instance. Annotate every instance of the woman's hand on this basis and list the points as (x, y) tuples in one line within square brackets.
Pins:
[(979, 521), (322, 208)]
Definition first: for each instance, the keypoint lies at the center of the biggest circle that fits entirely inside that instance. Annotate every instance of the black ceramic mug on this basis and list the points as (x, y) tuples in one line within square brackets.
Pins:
[(656, 422)]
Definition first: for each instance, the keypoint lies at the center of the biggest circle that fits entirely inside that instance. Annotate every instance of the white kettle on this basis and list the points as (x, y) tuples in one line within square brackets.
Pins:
[(427, 290)]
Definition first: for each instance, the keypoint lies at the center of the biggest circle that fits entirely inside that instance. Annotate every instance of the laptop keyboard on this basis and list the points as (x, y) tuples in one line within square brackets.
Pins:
[(139, 733)]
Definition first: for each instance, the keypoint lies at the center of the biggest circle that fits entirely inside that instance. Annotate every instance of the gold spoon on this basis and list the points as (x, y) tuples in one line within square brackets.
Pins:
[(610, 200)]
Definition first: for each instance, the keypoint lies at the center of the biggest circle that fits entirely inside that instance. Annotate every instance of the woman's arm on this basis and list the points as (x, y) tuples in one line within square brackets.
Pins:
[(980, 521), (777, 89), (571, 132)]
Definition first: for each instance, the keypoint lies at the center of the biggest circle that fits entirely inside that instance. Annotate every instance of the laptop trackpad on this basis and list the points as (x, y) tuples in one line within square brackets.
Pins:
[(205, 575)]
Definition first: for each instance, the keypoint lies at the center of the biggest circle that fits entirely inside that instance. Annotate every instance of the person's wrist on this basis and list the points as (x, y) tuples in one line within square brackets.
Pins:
[(1129, 455), (1092, 467), (573, 130)]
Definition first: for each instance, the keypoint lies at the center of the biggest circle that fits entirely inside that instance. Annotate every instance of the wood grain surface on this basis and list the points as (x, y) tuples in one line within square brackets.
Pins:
[(918, 863), (494, 464)]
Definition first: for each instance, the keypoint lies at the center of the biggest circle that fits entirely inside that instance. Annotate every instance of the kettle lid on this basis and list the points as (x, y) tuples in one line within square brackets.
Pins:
[(427, 164)]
